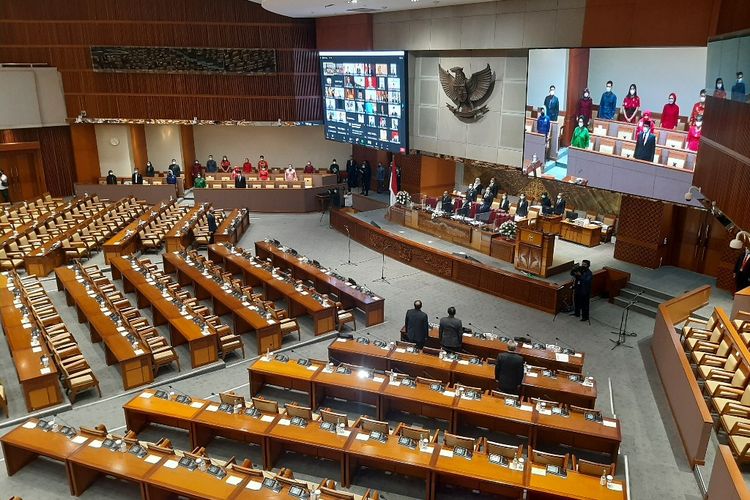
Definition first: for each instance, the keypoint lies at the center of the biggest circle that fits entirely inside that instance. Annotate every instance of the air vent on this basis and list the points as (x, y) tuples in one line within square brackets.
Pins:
[(362, 10)]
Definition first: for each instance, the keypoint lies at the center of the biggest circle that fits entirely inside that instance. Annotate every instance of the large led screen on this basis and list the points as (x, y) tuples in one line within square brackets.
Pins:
[(365, 98)]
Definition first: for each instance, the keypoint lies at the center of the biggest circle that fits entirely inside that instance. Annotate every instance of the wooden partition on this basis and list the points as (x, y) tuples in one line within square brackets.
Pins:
[(150, 194), (690, 411), (515, 287), (726, 482)]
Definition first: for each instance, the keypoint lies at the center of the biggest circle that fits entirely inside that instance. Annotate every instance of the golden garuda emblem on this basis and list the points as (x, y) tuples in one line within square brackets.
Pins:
[(467, 94)]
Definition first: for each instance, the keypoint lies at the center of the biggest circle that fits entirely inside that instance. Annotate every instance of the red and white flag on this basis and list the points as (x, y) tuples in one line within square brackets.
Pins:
[(394, 183)]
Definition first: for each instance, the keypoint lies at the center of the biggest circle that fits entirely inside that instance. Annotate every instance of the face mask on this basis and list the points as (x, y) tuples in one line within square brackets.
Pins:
[(585, 94), (645, 130), (703, 98), (609, 89), (698, 123), (720, 86), (739, 80), (551, 92), (580, 124), (632, 91)]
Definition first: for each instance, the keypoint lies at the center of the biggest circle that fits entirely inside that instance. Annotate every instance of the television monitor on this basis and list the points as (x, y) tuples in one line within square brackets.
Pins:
[(365, 98)]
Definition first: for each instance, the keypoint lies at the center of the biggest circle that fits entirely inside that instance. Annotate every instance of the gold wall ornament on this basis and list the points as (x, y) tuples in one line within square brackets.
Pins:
[(467, 94)]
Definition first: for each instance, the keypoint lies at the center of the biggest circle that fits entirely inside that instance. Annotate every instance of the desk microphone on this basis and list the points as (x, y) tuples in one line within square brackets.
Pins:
[(188, 399), (57, 417), (376, 338), (566, 344), (495, 327), (538, 340)]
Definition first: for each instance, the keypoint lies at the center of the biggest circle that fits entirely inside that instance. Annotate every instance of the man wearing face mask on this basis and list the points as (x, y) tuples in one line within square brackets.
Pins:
[(608, 103), (585, 105), (670, 114), (631, 104), (645, 145), (738, 89), (580, 135), (719, 91), (542, 125), (552, 104), (694, 134), (698, 108), (559, 205), (523, 207), (211, 165)]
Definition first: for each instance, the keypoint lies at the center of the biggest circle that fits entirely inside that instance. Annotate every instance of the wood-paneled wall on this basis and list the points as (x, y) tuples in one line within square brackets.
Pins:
[(60, 33), (344, 32), (722, 168), (57, 155), (642, 228)]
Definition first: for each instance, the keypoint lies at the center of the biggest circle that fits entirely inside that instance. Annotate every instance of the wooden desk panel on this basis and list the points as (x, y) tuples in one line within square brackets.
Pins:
[(233, 226), (588, 236), (478, 474), (145, 409), (276, 200), (181, 235), (286, 374)]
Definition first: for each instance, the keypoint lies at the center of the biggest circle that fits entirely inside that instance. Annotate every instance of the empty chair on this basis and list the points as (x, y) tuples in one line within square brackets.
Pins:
[(543, 458), (228, 342), (344, 316), (288, 325), (593, 468), (164, 355), (78, 381)]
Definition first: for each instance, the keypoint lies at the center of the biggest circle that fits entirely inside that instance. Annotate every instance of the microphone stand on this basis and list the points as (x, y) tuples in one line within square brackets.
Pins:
[(349, 238), (386, 246), (622, 332)]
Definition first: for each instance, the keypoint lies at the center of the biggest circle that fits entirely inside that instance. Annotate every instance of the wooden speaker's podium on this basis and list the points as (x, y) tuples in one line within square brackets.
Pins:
[(534, 251)]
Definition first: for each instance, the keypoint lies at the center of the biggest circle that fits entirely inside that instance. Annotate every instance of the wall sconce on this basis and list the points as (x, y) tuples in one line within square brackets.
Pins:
[(739, 240)]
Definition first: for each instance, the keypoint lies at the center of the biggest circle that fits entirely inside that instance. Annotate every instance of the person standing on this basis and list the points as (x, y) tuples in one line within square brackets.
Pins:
[(523, 207), (309, 169), (585, 106), (211, 221), (631, 104), (111, 178), (247, 167), (175, 168), (211, 165), (645, 144), (366, 177), (698, 108), (670, 114), (225, 165), (559, 205), (580, 135), (450, 332), (446, 203), (582, 278), (695, 132), (334, 169), (351, 173), (290, 174), (136, 178), (380, 177), (150, 172), (509, 370), (543, 124), (398, 178), (240, 181), (552, 104), (546, 204), (608, 103), (196, 169), (4, 186), (200, 181), (417, 325), (742, 271), (738, 89), (262, 163), (719, 90), (171, 178)]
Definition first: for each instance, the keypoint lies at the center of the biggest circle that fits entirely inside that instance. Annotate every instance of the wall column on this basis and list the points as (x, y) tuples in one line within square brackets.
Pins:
[(85, 153), (578, 75), (188, 153)]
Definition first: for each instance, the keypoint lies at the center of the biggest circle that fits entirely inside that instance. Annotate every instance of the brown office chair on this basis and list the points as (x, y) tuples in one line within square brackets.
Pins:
[(164, 355), (593, 468), (79, 381), (229, 342), (506, 450), (543, 458), (231, 398), (343, 317), (288, 325)]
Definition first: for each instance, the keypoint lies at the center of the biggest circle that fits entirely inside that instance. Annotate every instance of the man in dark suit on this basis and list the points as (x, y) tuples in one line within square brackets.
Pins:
[(645, 145), (582, 278), (365, 175), (486, 201), (742, 271), (446, 202), (509, 370), (505, 203), (211, 220), (546, 204), (451, 332), (240, 181), (175, 168), (136, 178), (111, 178), (523, 206), (559, 205), (351, 173), (417, 325)]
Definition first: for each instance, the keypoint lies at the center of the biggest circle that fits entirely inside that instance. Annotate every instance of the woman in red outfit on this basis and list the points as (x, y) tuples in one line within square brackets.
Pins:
[(263, 173), (694, 134), (698, 108), (719, 91), (247, 167), (670, 115), (225, 165), (645, 118), (631, 104), (584, 107)]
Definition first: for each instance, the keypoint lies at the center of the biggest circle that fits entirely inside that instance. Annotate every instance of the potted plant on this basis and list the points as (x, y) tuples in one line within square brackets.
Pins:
[(508, 230), (403, 198)]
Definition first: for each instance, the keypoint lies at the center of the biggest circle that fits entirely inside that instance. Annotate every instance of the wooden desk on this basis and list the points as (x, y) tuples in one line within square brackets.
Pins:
[(267, 332), (286, 374), (589, 236), (127, 241), (145, 409), (275, 200), (352, 387), (203, 348), (419, 400), (181, 235), (256, 273), (550, 223), (27, 442), (165, 482), (477, 473), (372, 305), (135, 366), (233, 226)]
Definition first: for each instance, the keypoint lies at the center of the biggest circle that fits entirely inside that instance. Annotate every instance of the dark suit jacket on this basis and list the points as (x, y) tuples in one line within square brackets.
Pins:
[(741, 277), (111, 179), (451, 332), (137, 178), (505, 205), (546, 206), (240, 182), (417, 326), (560, 207), (446, 204), (645, 147), (211, 219), (523, 208), (509, 372)]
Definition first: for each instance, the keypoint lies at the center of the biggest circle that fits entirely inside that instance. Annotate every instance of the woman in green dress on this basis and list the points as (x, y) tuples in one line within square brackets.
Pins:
[(580, 135), (200, 181)]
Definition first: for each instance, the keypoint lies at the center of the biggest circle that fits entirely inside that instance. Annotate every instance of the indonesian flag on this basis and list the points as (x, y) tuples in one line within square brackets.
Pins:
[(394, 183)]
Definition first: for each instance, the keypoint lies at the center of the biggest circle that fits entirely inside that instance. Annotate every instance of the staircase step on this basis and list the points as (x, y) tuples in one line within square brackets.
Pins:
[(646, 299), (648, 291), (638, 307)]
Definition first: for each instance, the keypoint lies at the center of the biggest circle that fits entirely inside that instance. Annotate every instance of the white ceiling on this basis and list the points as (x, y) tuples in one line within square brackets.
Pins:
[(323, 8)]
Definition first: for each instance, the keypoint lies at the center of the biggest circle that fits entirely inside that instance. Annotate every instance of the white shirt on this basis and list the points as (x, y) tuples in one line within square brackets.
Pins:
[(3, 178)]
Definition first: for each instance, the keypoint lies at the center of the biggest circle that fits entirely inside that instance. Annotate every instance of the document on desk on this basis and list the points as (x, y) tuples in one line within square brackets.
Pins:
[(427, 449), (171, 464), (146, 395), (614, 486), (254, 485), (378, 380), (362, 437), (152, 459), (196, 404), (609, 423), (450, 394), (266, 418), (446, 453), (96, 443), (563, 358), (538, 471), (285, 421), (212, 407), (29, 425), (45, 371), (234, 480), (79, 440)]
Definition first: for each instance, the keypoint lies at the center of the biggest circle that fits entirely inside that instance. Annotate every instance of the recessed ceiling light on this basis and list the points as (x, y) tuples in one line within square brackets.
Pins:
[(351, 1)]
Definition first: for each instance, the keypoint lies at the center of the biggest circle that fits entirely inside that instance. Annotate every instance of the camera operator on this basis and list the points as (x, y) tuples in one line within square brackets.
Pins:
[(582, 289)]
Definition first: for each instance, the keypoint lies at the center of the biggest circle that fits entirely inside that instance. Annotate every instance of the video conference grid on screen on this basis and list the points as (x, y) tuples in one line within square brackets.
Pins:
[(364, 95)]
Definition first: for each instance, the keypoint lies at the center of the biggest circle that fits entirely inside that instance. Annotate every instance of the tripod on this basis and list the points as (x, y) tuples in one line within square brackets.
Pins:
[(622, 332), (349, 237), (382, 266)]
